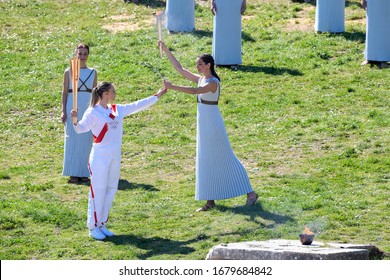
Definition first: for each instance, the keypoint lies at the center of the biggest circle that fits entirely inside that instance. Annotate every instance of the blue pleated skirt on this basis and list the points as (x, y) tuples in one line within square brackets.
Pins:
[(378, 31), (330, 16), (219, 174), (227, 33), (180, 15), (77, 146)]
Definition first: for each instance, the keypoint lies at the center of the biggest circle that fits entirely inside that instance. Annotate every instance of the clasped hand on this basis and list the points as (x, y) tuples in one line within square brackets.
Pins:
[(73, 113)]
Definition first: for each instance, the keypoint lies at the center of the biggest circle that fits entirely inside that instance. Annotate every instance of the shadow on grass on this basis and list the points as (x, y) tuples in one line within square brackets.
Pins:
[(257, 211), (148, 3), (126, 185), (313, 2), (357, 36), (247, 38), (203, 33), (269, 70), (209, 33), (154, 246), (354, 36)]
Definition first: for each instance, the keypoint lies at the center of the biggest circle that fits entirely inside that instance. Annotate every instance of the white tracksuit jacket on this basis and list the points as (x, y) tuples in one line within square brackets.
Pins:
[(106, 126)]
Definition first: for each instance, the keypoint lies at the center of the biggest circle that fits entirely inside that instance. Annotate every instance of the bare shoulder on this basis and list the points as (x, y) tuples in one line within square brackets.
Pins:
[(211, 84)]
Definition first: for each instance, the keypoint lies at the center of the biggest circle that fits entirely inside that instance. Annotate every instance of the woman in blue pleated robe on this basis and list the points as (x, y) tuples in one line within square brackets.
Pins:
[(180, 15), (377, 32), (219, 173), (77, 147), (227, 31), (330, 16)]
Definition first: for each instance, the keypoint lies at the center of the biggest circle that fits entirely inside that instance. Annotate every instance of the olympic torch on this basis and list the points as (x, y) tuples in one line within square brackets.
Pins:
[(75, 74), (159, 29)]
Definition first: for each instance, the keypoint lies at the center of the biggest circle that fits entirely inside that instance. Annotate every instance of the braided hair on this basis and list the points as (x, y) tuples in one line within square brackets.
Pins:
[(207, 58)]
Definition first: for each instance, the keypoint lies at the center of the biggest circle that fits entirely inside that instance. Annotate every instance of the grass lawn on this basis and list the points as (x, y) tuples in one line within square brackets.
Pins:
[(309, 123)]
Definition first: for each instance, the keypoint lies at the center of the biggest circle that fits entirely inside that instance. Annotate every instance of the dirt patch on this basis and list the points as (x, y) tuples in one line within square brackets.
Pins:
[(203, 2), (305, 23), (302, 22), (127, 23), (359, 21), (245, 17)]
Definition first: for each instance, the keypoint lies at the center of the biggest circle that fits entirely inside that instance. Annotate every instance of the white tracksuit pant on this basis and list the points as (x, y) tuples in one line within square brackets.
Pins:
[(105, 158), (105, 175)]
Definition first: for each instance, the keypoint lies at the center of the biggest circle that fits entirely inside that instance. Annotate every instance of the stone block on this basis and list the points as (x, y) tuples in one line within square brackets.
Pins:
[(287, 250)]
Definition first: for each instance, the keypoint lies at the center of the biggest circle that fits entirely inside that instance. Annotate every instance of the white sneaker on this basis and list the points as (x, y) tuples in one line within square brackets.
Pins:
[(96, 234), (106, 232)]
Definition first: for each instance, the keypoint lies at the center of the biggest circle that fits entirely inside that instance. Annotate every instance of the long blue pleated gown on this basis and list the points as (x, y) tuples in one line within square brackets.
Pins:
[(330, 16), (180, 15), (227, 33), (77, 147), (378, 31), (219, 173)]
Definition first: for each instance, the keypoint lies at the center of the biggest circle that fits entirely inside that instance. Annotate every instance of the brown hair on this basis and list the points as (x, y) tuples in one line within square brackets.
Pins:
[(82, 46), (208, 58)]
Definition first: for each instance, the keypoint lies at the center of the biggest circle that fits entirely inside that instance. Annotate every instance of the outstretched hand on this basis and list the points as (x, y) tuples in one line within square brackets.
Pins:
[(167, 84), (161, 92), (162, 45)]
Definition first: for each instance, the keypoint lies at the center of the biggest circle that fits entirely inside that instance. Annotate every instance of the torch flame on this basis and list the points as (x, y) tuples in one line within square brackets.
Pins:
[(308, 231)]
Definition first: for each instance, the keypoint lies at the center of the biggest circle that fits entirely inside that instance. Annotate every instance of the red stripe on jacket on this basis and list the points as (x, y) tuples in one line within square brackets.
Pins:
[(99, 138), (114, 113)]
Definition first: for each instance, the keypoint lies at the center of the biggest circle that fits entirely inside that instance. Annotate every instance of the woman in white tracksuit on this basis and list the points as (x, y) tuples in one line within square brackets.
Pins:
[(105, 121)]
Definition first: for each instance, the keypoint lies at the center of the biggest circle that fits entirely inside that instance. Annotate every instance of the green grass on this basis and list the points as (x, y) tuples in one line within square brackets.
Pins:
[(308, 122)]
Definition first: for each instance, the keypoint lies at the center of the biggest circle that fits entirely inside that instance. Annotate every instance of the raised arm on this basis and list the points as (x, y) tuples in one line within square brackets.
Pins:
[(176, 64), (209, 87), (142, 104)]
